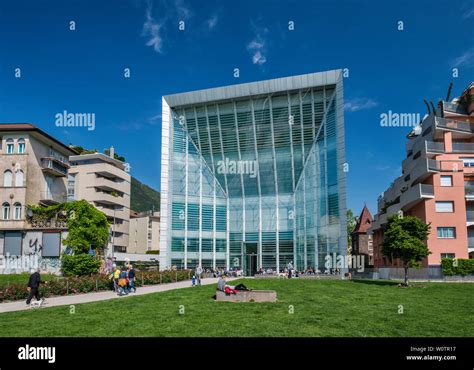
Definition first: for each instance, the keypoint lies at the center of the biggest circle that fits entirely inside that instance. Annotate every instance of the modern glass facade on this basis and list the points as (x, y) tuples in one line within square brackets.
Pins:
[(253, 175)]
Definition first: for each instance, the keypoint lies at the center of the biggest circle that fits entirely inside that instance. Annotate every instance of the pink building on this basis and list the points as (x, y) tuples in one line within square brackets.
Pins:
[(437, 182)]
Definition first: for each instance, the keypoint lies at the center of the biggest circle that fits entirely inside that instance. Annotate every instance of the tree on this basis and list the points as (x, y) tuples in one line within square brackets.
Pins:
[(351, 223), (88, 227), (404, 239)]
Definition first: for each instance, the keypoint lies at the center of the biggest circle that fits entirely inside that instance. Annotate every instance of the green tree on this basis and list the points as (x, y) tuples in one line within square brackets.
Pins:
[(404, 239), (351, 223), (88, 227)]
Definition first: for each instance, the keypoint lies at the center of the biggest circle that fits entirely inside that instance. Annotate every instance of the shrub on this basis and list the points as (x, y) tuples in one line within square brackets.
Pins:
[(464, 266), (79, 264), (153, 252), (92, 283)]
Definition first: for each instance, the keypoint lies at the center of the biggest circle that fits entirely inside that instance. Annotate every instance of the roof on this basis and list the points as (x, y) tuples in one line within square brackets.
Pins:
[(101, 156), (255, 88), (28, 127), (364, 222)]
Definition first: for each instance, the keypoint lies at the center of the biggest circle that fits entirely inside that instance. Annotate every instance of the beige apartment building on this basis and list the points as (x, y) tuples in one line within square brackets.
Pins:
[(104, 181), (33, 170), (144, 232)]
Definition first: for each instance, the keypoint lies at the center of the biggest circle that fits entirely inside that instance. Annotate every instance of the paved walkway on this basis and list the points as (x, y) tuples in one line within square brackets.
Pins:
[(101, 296)]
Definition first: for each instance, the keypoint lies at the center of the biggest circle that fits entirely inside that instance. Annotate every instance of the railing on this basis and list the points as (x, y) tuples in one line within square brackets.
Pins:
[(55, 197), (454, 108), (470, 216), (433, 146), (463, 147), (427, 189), (434, 165), (51, 164), (453, 124), (469, 191)]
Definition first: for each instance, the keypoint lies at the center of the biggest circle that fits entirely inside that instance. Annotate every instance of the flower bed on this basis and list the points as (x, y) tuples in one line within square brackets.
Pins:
[(86, 284)]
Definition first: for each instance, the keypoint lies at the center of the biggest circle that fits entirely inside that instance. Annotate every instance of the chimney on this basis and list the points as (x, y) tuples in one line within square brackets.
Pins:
[(111, 152)]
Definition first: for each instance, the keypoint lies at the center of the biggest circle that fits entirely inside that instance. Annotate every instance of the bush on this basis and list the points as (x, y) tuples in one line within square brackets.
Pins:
[(93, 283), (152, 252), (464, 266), (79, 264)]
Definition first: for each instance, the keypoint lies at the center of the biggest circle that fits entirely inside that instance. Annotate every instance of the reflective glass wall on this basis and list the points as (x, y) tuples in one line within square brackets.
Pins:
[(257, 181)]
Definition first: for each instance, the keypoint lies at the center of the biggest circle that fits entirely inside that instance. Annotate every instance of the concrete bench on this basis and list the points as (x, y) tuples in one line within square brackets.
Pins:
[(247, 296)]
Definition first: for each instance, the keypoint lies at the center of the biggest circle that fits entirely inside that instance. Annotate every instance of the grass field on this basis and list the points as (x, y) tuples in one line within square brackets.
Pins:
[(321, 308), (7, 279)]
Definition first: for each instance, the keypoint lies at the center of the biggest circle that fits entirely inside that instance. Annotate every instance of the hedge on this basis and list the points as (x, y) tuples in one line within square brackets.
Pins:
[(464, 266), (86, 284)]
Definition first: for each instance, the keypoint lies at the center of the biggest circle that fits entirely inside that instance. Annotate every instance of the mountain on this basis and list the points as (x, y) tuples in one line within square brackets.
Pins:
[(143, 198)]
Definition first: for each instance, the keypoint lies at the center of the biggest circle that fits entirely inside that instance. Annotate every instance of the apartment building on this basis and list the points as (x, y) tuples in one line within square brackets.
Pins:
[(437, 182), (103, 181), (33, 169), (362, 243), (144, 232)]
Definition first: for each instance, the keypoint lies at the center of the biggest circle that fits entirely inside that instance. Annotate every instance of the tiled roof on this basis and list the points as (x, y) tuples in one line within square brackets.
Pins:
[(364, 222)]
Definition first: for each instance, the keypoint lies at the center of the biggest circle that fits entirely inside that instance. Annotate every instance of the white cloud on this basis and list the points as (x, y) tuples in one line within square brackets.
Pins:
[(212, 22), (358, 104), (257, 47), (151, 30), (464, 60), (183, 11), (468, 14)]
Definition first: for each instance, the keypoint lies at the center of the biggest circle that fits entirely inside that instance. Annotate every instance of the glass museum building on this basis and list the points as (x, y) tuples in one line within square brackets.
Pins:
[(253, 175)]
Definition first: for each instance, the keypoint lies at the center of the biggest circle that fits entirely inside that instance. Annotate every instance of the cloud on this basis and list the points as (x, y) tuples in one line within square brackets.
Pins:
[(468, 14), (257, 47), (212, 22), (358, 104), (152, 30), (464, 60), (183, 11)]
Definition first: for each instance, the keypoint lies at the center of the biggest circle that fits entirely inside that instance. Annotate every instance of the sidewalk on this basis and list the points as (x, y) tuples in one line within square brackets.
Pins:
[(101, 296)]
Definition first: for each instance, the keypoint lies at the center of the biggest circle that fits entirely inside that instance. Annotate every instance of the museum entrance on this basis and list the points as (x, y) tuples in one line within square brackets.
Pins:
[(250, 258)]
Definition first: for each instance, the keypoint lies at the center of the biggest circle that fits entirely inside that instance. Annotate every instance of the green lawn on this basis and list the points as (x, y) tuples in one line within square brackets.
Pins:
[(321, 308), (7, 279)]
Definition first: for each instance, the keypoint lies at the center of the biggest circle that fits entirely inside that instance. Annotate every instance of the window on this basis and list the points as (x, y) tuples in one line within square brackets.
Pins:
[(448, 255), (446, 232), (6, 211), (12, 242), (51, 244), (21, 146), (7, 178), (19, 178), (446, 180), (468, 161), (445, 207), (71, 187), (10, 146), (17, 211)]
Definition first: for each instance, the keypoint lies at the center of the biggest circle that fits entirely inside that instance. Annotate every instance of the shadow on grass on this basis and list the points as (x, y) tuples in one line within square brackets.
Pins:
[(376, 282)]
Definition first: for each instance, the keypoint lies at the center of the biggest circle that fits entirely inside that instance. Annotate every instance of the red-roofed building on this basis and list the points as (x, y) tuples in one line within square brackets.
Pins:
[(362, 239)]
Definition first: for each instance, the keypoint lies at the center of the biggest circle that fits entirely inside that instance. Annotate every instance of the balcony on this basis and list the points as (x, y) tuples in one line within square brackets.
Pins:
[(54, 167), (454, 125), (453, 108), (463, 147), (49, 198), (469, 192), (470, 217)]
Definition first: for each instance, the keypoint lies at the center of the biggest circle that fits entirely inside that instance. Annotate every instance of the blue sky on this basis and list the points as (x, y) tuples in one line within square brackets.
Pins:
[(83, 70)]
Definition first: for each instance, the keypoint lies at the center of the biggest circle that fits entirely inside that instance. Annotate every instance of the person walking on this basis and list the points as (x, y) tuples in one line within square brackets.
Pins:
[(131, 279), (198, 274), (122, 282), (33, 286)]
